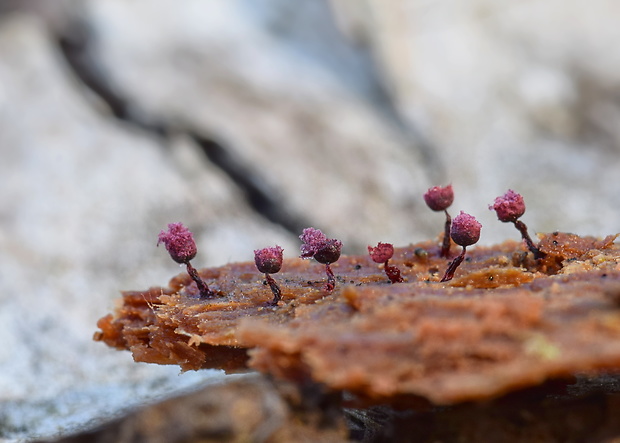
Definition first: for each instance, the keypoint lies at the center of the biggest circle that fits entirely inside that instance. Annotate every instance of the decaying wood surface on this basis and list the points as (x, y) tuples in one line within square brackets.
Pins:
[(505, 322)]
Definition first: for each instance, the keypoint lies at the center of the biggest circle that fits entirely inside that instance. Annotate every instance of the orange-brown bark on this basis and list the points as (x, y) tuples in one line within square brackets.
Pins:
[(505, 321)]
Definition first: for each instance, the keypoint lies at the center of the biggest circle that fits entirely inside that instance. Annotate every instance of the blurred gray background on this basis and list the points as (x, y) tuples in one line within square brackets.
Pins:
[(249, 120)]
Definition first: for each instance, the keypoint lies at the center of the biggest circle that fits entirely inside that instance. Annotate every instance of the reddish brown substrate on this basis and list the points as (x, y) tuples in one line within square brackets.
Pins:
[(505, 321)]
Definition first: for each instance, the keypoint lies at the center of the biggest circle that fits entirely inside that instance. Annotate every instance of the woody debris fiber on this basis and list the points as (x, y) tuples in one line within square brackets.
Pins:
[(505, 322)]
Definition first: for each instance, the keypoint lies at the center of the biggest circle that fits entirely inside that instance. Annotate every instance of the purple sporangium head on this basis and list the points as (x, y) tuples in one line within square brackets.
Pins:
[(509, 207), (268, 260), (312, 240), (439, 198), (381, 253), (329, 252), (465, 229), (179, 242), (317, 245)]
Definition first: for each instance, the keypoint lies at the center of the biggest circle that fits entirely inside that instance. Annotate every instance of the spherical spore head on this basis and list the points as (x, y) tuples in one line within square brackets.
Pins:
[(330, 252), (509, 207), (316, 245), (439, 198), (268, 260), (312, 240), (381, 253), (179, 242), (465, 229)]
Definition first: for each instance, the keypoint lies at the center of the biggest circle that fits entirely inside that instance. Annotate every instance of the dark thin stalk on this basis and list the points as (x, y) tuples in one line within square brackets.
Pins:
[(277, 293), (528, 240), (445, 249), (453, 265), (205, 292), (331, 280)]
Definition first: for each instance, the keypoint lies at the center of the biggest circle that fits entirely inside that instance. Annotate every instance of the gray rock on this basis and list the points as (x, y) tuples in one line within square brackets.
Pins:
[(516, 96), (241, 73), (83, 199), (337, 114)]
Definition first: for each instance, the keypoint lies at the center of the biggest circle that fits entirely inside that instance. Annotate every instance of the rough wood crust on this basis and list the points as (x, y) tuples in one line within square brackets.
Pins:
[(503, 323)]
